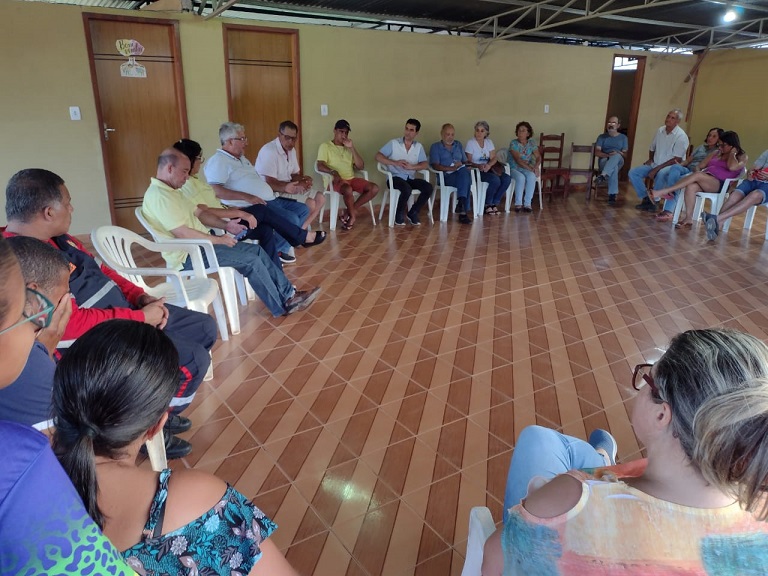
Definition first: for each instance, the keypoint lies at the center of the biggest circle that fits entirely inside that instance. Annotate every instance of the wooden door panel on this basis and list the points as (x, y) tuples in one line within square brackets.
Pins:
[(262, 46), (275, 100), (145, 114), (263, 81), (155, 39)]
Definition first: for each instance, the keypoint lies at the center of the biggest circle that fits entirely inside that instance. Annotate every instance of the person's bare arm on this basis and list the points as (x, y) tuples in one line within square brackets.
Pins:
[(224, 193), (357, 160), (190, 233), (323, 167)]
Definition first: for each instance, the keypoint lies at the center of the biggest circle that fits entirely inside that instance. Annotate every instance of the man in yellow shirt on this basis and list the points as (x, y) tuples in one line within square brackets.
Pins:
[(173, 214), (339, 158)]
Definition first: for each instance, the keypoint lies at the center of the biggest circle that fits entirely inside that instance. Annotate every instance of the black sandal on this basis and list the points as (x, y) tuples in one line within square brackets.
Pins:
[(319, 239)]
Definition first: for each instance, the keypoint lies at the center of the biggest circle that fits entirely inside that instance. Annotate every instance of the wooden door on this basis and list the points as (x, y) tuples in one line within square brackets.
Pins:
[(262, 81), (138, 116)]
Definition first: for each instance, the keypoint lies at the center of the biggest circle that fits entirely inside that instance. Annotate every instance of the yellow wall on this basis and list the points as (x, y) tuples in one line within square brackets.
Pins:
[(374, 79), (731, 93)]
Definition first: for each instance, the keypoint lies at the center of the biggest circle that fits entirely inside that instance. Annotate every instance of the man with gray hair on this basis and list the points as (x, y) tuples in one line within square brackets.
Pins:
[(237, 184), (668, 147)]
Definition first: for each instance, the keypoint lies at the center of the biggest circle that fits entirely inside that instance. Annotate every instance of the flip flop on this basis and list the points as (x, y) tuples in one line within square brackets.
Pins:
[(680, 225), (319, 238), (346, 226), (664, 217)]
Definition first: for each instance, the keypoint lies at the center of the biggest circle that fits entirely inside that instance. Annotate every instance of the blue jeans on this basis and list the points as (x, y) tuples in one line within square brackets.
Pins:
[(461, 180), (611, 167), (544, 452), (637, 177), (264, 276), (497, 186), (291, 210), (667, 177), (525, 180)]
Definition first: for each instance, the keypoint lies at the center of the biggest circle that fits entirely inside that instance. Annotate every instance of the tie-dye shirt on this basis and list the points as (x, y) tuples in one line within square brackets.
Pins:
[(615, 529), (44, 528)]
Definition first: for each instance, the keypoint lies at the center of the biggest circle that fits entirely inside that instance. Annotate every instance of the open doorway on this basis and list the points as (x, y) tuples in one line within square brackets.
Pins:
[(624, 99)]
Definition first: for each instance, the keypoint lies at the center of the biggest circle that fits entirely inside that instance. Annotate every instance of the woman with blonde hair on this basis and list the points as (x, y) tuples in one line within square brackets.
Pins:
[(696, 504)]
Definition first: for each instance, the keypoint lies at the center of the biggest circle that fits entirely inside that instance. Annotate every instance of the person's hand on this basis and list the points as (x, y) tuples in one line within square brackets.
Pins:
[(156, 314), (402, 164), (256, 200), (348, 143), (224, 240), (485, 167), (250, 218), (294, 188), (336, 179), (50, 337), (234, 227), (647, 162)]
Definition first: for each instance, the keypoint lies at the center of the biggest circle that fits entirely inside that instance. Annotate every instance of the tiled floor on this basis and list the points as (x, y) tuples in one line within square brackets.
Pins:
[(369, 425)]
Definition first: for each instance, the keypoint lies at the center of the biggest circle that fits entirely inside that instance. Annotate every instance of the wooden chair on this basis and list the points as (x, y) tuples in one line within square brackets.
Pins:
[(588, 172), (552, 170)]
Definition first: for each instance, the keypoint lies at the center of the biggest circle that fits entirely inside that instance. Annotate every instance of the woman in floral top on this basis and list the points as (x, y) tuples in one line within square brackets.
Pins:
[(526, 166), (111, 394)]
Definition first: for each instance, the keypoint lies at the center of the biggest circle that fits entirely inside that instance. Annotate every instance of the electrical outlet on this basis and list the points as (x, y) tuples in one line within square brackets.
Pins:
[(74, 113), (323, 109), (546, 108)]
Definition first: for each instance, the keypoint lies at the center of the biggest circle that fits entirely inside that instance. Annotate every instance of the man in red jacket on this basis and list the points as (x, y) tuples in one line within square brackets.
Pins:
[(38, 204)]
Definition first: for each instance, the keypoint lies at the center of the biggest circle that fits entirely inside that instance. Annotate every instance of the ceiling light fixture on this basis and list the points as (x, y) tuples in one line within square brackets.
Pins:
[(730, 15)]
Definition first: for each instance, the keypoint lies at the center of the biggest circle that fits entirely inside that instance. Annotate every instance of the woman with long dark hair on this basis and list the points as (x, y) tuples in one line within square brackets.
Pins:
[(110, 396)]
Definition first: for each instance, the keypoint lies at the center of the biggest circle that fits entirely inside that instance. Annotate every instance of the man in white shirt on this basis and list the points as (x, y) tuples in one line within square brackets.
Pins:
[(237, 183), (403, 157), (668, 148), (277, 164)]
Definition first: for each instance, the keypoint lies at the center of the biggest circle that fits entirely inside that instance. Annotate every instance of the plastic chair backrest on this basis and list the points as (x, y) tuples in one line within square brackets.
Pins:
[(114, 245)]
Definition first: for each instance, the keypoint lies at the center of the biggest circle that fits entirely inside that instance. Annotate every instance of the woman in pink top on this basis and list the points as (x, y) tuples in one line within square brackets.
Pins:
[(696, 506), (726, 162)]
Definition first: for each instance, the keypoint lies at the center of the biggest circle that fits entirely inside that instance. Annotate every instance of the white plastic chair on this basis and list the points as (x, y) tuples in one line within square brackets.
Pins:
[(510, 190), (749, 219), (231, 281), (394, 195), (716, 200), (335, 197), (479, 190), (481, 527), (115, 244), (445, 194)]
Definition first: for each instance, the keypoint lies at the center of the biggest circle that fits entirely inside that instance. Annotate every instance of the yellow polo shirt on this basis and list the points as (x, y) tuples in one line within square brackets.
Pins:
[(338, 158), (167, 209)]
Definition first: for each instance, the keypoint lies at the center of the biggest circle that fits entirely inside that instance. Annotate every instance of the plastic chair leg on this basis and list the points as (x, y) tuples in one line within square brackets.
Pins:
[(229, 295)]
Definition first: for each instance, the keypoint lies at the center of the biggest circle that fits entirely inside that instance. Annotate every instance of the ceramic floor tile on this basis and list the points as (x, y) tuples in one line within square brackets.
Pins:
[(369, 424)]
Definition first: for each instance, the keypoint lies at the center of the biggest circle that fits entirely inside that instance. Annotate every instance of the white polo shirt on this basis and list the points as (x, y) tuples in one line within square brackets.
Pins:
[(274, 161), (395, 150), (236, 174), (667, 146)]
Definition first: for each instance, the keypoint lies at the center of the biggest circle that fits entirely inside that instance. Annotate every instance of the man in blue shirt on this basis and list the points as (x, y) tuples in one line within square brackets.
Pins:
[(448, 156), (611, 148), (403, 157)]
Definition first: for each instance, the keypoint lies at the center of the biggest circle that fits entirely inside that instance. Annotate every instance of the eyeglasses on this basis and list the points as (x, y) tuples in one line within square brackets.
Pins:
[(642, 376), (37, 309), (241, 138), (200, 158), (289, 138)]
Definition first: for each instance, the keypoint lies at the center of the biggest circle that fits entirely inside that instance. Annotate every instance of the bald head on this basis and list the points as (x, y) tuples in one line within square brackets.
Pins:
[(173, 168)]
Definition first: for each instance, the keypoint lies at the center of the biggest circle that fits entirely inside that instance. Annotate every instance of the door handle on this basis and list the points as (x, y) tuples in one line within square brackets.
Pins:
[(107, 130)]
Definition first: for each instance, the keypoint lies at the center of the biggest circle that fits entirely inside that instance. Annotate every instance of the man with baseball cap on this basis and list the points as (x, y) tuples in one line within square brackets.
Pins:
[(339, 158)]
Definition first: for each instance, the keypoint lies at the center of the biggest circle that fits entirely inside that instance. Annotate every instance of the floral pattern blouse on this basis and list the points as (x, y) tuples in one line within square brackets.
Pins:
[(223, 541), (525, 150)]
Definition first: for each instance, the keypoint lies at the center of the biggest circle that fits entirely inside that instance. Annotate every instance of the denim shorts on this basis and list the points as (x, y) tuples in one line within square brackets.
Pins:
[(751, 185)]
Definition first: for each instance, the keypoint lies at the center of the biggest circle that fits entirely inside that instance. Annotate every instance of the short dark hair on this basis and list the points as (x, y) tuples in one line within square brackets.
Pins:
[(7, 263), (287, 124), (189, 148), (40, 262), (111, 386), (527, 126), (413, 122), (29, 191)]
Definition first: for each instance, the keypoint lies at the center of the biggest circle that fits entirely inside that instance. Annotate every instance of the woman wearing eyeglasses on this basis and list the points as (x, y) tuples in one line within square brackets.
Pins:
[(728, 161), (44, 528), (696, 505)]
